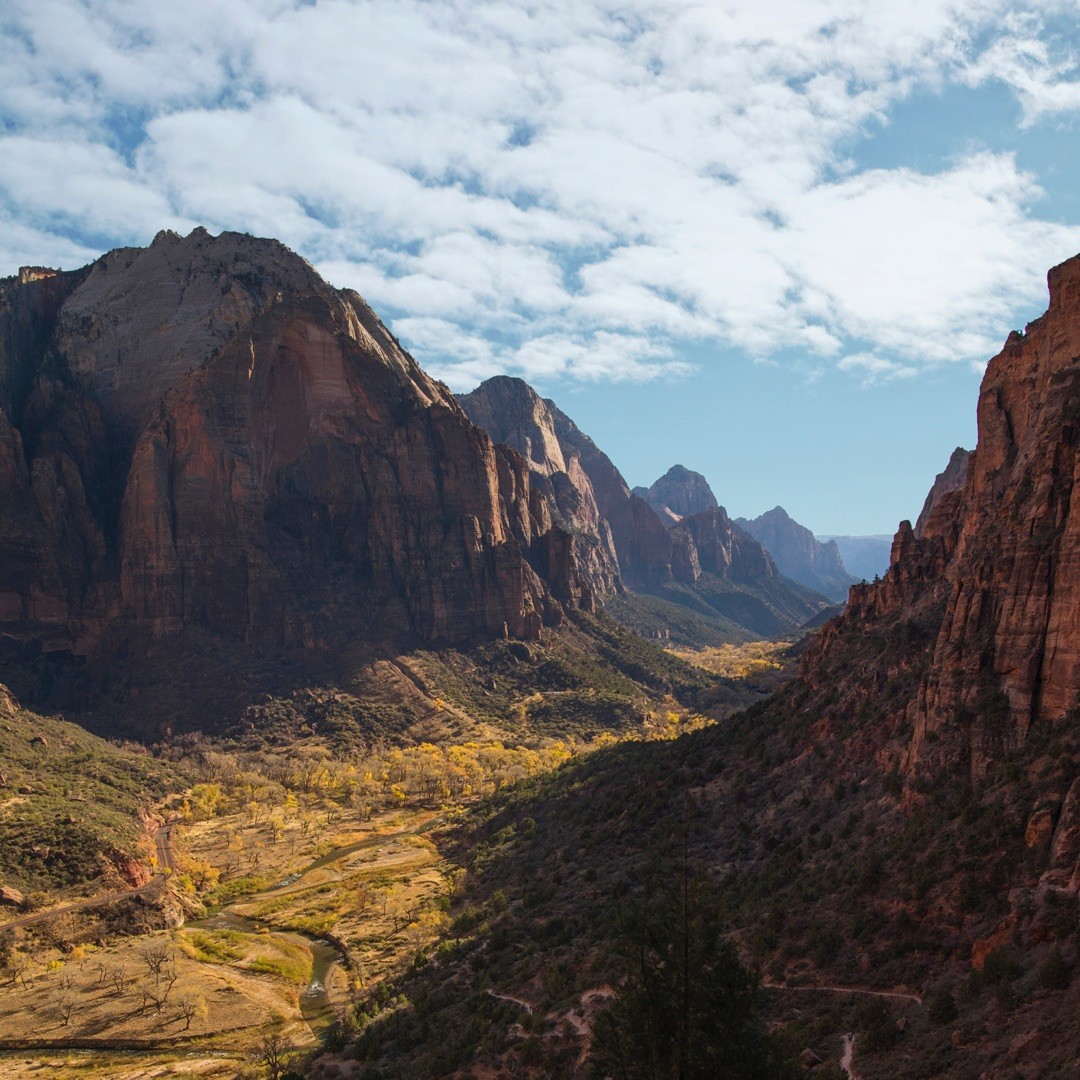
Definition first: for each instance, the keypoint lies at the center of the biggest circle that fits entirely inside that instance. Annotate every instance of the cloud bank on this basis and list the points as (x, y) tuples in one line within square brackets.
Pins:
[(556, 189)]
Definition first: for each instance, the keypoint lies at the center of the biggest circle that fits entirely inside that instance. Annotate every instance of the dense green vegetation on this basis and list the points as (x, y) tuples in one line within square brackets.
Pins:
[(69, 801)]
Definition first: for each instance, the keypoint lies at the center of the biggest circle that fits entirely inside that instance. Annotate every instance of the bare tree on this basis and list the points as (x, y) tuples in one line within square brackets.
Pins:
[(272, 1053), (118, 978), (65, 1006), (19, 965), (166, 981), (155, 957), (190, 1007)]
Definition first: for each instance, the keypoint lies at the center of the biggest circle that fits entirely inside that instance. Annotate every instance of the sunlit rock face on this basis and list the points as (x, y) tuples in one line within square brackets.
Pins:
[(992, 572), (203, 433)]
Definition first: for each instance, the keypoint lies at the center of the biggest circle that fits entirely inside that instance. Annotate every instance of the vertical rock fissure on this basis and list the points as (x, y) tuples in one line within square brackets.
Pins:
[(1053, 561)]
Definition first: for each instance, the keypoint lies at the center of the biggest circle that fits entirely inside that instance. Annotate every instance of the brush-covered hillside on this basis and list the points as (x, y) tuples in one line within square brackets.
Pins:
[(73, 807), (892, 840)]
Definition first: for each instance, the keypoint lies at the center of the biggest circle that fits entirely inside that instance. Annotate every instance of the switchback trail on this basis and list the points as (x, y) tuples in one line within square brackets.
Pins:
[(527, 1006)]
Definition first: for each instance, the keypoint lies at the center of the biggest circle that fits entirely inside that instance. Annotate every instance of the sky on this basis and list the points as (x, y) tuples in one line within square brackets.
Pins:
[(773, 242)]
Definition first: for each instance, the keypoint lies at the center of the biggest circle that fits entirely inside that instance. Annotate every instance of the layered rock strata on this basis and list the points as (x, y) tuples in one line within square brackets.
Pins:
[(990, 581), (204, 434)]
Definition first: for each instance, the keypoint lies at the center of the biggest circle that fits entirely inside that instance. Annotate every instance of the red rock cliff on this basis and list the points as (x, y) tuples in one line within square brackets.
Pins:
[(990, 583), (204, 434)]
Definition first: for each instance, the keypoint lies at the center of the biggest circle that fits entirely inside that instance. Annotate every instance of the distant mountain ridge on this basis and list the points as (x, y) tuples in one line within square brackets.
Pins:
[(865, 557), (705, 562), (799, 555)]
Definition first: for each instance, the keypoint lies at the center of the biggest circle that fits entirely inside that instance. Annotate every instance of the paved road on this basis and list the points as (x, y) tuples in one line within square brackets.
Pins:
[(166, 865)]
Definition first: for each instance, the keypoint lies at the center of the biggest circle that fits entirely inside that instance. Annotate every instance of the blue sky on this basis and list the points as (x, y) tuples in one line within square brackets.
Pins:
[(774, 242)]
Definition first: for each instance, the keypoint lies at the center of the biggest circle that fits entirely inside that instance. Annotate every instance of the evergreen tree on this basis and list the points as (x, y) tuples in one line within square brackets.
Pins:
[(688, 1008)]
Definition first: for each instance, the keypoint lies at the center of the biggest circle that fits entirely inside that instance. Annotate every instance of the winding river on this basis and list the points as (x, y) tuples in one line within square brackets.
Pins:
[(315, 1005)]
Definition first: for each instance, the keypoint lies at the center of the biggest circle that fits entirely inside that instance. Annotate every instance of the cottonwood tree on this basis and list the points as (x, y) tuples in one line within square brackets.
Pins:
[(273, 1052), (155, 957), (65, 1006), (18, 965), (166, 981)]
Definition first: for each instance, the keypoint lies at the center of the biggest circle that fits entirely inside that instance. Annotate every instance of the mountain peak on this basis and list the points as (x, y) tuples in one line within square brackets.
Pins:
[(679, 493), (798, 554)]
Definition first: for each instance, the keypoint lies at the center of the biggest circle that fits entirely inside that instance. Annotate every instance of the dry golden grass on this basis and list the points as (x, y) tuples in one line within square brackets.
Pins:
[(112, 995)]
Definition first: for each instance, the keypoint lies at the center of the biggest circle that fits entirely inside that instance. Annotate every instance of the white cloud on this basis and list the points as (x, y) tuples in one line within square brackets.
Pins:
[(875, 369), (562, 189), (1044, 76)]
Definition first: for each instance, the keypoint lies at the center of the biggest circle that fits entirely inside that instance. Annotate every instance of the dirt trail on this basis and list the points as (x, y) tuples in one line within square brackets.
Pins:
[(847, 1062), (896, 995), (163, 843), (402, 666), (526, 1005)]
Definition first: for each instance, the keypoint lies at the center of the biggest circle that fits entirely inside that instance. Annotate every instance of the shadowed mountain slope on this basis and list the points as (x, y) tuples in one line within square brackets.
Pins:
[(202, 440), (798, 555)]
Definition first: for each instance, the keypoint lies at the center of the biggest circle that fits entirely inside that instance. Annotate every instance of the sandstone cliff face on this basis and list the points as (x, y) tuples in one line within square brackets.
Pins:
[(799, 555), (713, 543), (514, 415), (679, 493), (621, 537), (986, 593), (204, 434), (705, 562), (952, 479)]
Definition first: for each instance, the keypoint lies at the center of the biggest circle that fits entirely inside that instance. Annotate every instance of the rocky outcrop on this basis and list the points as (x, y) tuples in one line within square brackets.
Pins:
[(988, 587), (679, 493), (799, 555), (204, 434), (514, 415), (945, 483), (12, 896)]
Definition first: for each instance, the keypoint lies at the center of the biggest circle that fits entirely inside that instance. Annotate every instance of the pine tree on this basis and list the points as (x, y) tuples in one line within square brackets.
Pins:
[(688, 1008)]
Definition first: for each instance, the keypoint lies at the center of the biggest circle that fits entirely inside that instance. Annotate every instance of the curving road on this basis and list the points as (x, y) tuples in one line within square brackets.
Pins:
[(166, 866)]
